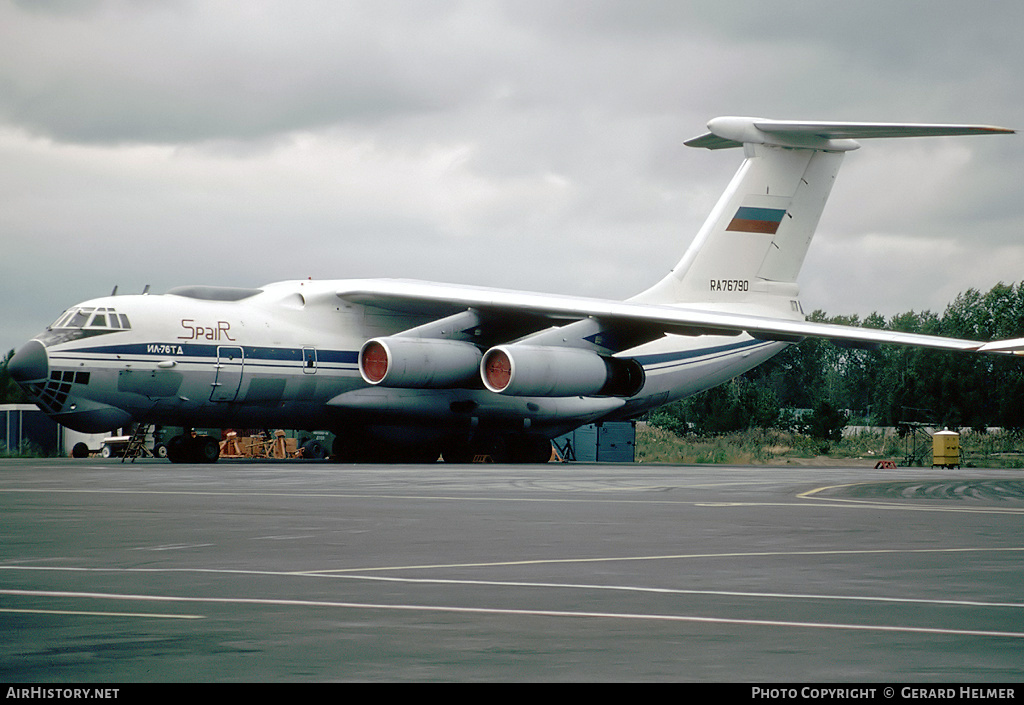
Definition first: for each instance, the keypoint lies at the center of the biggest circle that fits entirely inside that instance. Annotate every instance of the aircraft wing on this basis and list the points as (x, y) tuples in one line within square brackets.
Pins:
[(427, 298), (1015, 346)]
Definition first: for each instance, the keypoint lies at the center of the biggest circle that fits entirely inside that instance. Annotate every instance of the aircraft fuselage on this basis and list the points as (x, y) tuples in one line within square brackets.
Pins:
[(286, 356)]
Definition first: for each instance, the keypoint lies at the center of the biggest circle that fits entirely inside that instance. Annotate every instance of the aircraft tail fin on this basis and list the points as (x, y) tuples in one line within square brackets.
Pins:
[(750, 249)]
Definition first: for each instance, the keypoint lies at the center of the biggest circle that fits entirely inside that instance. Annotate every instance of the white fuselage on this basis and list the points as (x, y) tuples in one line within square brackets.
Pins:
[(287, 357)]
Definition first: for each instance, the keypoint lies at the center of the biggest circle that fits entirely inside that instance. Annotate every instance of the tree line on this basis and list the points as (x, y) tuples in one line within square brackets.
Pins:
[(817, 387)]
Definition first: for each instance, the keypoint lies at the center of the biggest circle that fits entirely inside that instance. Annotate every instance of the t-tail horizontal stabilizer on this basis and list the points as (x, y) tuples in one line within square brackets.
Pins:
[(727, 132)]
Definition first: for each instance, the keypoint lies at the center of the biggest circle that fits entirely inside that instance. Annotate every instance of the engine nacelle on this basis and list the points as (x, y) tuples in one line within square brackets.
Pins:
[(419, 363), (542, 371)]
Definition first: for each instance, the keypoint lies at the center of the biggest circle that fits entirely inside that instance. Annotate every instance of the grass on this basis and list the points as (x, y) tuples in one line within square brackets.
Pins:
[(26, 450), (1000, 449)]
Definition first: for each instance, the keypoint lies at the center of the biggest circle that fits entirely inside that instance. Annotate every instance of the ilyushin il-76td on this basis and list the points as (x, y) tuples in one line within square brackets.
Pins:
[(411, 371)]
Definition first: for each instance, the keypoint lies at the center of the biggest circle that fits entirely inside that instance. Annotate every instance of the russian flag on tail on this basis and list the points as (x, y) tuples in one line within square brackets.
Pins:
[(757, 220)]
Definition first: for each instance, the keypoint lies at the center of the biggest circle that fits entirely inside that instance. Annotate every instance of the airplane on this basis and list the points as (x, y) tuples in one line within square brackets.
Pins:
[(410, 371)]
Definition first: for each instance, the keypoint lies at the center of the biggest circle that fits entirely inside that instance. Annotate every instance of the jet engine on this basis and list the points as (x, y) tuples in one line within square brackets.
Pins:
[(419, 363), (542, 371)]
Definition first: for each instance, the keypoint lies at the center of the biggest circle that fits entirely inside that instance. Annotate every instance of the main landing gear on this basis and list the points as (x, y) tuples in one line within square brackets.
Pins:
[(190, 448)]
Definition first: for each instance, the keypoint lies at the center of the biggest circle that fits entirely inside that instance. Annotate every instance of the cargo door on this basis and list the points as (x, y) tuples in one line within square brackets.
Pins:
[(230, 362)]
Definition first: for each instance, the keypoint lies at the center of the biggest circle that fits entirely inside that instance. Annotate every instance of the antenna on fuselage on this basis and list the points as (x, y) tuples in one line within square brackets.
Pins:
[(146, 290), (114, 292)]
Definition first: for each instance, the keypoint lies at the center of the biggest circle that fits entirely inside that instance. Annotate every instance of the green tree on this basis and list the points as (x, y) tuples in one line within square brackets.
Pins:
[(10, 392), (826, 422), (887, 383), (734, 406)]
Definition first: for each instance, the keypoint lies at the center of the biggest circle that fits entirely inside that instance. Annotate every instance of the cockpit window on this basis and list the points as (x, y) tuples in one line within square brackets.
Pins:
[(103, 319), (78, 319), (84, 322)]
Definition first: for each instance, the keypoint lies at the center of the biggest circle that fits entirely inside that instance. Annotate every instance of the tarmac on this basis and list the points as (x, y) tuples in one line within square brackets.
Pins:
[(310, 572)]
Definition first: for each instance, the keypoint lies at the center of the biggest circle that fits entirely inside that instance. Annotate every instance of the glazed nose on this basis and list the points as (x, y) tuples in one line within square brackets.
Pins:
[(29, 363)]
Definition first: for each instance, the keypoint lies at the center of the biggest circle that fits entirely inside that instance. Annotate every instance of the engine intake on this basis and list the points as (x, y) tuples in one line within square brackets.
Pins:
[(419, 363), (542, 371)]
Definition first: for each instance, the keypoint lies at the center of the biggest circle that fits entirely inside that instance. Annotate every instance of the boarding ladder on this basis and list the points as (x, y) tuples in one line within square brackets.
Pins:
[(137, 443)]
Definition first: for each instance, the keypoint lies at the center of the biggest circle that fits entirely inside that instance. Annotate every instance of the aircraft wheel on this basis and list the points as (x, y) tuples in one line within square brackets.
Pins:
[(177, 452), (207, 449), (80, 450), (189, 449), (313, 450)]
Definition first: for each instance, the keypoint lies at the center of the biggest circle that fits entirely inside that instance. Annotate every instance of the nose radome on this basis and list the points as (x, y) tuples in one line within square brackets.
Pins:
[(29, 363)]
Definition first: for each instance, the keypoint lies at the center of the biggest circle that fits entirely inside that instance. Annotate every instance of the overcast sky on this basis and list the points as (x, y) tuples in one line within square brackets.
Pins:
[(519, 144)]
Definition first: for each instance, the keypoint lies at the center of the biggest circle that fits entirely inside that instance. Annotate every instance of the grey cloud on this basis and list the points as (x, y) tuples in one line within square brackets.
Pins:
[(189, 72)]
